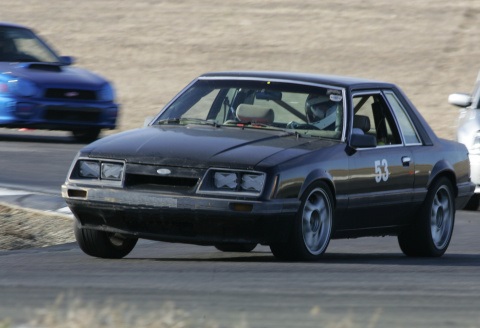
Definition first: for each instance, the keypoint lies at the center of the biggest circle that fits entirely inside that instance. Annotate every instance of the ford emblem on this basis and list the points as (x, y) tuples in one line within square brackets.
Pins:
[(71, 94), (164, 171)]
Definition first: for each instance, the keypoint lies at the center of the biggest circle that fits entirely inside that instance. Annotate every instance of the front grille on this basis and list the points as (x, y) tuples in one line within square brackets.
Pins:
[(60, 113), (151, 182), (72, 94), (146, 177)]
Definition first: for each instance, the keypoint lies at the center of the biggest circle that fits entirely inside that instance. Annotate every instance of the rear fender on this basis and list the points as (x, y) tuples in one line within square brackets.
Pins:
[(443, 168)]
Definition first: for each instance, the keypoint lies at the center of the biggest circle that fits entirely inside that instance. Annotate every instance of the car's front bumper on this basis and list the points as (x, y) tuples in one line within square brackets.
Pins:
[(188, 219), (57, 115), (475, 171)]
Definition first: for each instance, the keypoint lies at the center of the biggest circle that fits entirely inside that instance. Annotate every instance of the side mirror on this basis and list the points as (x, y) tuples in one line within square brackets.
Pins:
[(460, 99), (67, 60), (358, 140)]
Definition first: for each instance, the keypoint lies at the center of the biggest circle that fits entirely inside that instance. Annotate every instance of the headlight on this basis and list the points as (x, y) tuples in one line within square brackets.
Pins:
[(252, 182), (88, 169), (225, 180), (232, 182), (98, 170), (22, 87), (107, 93), (112, 171)]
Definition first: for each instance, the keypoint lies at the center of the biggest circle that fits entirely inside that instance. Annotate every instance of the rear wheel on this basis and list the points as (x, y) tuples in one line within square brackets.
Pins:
[(236, 247), (104, 244), (313, 226), (431, 232)]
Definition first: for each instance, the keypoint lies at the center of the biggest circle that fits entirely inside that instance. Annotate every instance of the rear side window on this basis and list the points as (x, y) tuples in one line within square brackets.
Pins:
[(372, 107), (408, 130)]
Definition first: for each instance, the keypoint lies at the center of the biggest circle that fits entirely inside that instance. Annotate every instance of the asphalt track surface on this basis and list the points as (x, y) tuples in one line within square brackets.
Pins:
[(363, 282)]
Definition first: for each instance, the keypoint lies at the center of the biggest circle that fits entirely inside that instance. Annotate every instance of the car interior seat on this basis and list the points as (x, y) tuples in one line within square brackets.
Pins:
[(362, 123), (255, 114)]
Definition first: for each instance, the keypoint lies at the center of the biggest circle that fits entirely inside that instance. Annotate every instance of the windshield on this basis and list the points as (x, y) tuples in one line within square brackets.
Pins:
[(22, 45), (305, 109)]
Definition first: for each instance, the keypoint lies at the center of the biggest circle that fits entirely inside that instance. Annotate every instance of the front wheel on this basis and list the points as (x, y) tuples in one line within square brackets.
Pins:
[(104, 244), (430, 234), (313, 226)]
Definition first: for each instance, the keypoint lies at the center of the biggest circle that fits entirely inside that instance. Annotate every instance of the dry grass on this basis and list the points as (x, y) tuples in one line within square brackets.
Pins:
[(72, 312), (151, 48), (25, 228)]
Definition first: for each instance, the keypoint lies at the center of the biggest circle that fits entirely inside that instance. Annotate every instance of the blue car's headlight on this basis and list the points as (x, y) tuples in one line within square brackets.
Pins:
[(107, 93), (22, 87)]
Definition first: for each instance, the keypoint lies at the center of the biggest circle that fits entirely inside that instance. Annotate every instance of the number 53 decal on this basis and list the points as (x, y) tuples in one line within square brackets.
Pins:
[(381, 170)]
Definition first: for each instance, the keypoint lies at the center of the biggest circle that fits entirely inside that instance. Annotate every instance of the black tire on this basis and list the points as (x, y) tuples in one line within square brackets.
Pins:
[(473, 203), (86, 135), (104, 244), (236, 247), (431, 232), (313, 226)]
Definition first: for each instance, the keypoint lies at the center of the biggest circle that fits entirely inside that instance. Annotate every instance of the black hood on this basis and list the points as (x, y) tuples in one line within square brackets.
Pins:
[(202, 146)]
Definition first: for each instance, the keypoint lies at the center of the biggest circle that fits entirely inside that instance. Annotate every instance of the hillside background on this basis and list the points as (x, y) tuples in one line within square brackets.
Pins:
[(150, 49)]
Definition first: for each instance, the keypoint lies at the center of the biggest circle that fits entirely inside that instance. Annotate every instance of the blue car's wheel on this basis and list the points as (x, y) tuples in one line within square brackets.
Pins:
[(86, 135)]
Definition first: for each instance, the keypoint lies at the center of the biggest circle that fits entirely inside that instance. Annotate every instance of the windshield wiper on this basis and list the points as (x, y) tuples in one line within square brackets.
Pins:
[(186, 120)]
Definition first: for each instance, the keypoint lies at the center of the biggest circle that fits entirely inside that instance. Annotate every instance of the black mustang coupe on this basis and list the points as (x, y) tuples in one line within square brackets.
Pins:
[(287, 160)]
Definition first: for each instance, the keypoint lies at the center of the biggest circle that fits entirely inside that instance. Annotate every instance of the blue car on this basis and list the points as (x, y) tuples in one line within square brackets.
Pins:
[(41, 90)]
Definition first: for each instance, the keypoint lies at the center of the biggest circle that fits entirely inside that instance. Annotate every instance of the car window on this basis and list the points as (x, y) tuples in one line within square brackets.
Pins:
[(373, 108), (310, 110), (18, 44), (408, 130)]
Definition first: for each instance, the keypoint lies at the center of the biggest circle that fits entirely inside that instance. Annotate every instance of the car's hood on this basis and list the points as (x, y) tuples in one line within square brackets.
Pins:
[(203, 146), (52, 75)]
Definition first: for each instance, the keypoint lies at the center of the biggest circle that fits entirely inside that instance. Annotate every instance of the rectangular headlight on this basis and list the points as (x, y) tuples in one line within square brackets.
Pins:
[(89, 169), (112, 171), (225, 180), (231, 182), (253, 182)]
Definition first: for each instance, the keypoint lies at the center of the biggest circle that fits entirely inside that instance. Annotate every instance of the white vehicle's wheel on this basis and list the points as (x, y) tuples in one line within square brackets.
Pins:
[(313, 226), (104, 244), (432, 230)]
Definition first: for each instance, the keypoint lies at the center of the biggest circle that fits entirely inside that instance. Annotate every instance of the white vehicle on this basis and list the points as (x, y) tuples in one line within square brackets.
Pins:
[(468, 133)]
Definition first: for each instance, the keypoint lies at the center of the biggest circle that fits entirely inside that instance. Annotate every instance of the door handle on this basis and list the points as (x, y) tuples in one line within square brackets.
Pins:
[(406, 160)]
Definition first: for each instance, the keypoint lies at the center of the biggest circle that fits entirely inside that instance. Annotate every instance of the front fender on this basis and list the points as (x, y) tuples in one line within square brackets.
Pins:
[(317, 175)]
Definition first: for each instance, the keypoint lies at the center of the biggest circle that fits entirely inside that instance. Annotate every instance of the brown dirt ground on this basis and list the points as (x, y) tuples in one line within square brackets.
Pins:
[(150, 49)]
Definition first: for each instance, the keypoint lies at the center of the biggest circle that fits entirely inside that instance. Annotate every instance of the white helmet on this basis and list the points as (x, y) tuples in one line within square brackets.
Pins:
[(317, 107)]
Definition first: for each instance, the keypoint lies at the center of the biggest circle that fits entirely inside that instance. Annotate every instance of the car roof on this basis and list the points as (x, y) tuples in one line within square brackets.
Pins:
[(7, 24), (334, 80)]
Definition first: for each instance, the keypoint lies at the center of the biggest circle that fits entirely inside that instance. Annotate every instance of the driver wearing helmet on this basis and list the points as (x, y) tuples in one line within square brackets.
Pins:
[(321, 111)]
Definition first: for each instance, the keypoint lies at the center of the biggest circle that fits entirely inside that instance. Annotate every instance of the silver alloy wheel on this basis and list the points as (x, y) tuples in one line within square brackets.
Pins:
[(317, 221), (441, 217), (116, 239)]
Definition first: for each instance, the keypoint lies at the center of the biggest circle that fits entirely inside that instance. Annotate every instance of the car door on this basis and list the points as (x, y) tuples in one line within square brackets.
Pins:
[(381, 178)]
